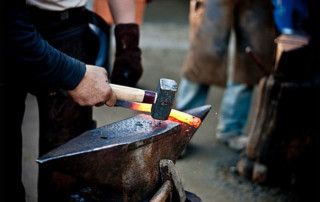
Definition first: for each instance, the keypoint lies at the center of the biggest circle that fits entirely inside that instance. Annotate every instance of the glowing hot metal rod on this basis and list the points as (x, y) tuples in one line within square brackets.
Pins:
[(175, 115)]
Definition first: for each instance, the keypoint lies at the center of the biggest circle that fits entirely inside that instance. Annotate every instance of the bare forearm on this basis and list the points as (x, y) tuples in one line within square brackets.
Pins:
[(123, 11)]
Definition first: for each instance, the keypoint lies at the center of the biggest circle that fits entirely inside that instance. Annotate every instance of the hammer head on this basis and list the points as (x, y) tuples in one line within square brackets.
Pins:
[(165, 97)]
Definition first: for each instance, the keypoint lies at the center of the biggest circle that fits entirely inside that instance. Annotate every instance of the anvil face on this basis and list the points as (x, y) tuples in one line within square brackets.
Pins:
[(134, 131), (124, 155), (138, 130)]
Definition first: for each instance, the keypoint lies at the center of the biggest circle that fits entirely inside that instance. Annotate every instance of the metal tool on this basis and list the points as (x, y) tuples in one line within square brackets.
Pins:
[(161, 100), (174, 114), (123, 156)]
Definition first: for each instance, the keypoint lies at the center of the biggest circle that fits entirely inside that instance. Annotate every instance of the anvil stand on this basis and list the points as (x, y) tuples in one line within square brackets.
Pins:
[(172, 188)]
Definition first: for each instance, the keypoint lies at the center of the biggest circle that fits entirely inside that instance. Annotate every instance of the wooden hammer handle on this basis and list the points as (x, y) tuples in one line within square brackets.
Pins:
[(133, 94)]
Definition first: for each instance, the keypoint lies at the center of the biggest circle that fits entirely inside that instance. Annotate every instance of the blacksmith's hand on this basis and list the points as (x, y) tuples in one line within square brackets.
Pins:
[(94, 88)]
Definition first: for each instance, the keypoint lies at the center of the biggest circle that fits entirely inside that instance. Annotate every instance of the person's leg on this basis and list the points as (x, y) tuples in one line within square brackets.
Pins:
[(253, 28), (234, 110), (12, 105), (205, 62), (191, 94)]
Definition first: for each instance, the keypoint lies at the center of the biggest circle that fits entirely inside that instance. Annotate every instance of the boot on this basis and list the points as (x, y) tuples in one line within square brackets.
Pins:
[(127, 68)]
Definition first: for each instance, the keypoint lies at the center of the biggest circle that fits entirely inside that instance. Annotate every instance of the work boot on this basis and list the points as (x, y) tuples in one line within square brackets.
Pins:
[(127, 68)]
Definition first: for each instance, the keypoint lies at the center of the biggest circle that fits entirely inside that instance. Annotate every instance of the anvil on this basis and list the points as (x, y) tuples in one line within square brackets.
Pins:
[(124, 156)]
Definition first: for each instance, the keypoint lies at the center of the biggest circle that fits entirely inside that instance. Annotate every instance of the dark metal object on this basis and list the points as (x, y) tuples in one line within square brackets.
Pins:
[(257, 60), (172, 188), (163, 193), (124, 156), (169, 172), (165, 96)]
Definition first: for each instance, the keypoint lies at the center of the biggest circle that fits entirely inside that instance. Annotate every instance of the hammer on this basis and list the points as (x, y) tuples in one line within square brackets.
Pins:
[(161, 100)]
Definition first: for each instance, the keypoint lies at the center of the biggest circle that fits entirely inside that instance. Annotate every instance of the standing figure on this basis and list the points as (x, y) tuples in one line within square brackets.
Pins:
[(212, 22), (64, 24), (48, 44)]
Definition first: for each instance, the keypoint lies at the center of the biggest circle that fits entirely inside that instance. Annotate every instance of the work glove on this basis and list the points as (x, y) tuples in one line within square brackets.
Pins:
[(127, 68)]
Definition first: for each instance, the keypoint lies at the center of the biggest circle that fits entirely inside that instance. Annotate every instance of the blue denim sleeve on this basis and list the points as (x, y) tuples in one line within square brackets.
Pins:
[(38, 62)]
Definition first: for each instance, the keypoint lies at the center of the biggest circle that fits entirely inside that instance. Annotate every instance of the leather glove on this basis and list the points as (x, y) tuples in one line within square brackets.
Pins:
[(127, 68)]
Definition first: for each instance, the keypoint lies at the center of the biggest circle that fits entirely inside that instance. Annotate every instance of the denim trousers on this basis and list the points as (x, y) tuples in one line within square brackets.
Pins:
[(234, 109)]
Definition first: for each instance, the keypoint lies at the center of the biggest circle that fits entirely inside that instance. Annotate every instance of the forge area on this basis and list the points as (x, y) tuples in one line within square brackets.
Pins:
[(207, 166)]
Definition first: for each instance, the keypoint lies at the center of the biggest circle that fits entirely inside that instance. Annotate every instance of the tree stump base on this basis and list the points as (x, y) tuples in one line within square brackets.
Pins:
[(284, 134)]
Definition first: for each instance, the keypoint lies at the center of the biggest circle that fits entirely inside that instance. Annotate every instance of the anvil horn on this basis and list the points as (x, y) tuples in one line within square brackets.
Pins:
[(124, 155)]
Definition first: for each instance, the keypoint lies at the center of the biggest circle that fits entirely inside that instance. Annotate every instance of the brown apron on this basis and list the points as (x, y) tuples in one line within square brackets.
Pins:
[(211, 23)]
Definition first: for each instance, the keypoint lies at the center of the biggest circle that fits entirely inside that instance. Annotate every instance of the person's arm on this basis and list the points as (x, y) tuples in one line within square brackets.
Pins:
[(122, 11), (38, 64), (34, 58), (127, 67)]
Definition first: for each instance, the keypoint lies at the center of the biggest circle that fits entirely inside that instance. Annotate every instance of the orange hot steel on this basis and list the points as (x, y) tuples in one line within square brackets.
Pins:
[(174, 114)]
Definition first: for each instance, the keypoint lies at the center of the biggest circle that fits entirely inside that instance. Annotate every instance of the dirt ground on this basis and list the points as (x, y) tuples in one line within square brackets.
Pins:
[(206, 168)]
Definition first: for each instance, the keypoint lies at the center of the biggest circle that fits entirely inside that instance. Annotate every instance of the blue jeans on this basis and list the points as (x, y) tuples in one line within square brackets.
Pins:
[(234, 109), (191, 95)]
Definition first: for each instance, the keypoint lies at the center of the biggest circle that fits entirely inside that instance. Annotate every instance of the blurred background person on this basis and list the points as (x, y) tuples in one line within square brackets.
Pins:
[(127, 68), (212, 22)]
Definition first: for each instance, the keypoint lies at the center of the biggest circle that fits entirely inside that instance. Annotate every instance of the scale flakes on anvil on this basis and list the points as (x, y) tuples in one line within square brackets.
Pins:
[(124, 155)]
